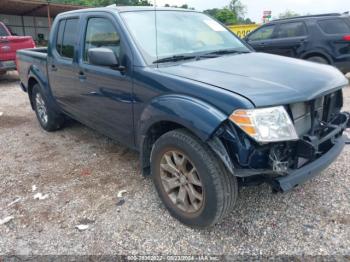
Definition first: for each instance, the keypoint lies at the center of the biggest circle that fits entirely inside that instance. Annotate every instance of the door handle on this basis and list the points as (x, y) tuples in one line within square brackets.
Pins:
[(53, 68), (82, 76)]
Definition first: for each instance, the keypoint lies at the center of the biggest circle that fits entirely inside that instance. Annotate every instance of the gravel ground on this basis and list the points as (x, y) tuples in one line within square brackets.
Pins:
[(83, 171)]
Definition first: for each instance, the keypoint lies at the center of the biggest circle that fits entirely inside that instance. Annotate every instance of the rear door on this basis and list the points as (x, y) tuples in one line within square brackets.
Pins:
[(63, 67), (261, 38), (290, 39)]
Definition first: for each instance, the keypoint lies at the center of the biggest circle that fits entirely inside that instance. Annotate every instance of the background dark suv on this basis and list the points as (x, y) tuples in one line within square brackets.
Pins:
[(319, 38)]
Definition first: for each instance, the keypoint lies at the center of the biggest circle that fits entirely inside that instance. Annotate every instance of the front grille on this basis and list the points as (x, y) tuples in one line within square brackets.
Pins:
[(324, 109)]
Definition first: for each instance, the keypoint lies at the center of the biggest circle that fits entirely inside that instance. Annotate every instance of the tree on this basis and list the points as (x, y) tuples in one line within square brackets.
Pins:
[(226, 16), (184, 6), (232, 14), (237, 8), (287, 14)]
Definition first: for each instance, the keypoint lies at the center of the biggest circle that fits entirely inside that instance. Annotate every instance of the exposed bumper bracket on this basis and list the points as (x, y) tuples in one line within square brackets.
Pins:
[(305, 173)]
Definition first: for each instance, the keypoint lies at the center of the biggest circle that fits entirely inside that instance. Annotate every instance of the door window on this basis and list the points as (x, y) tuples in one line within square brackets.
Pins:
[(67, 37), (334, 26), (263, 33), (295, 29), (100, 32)]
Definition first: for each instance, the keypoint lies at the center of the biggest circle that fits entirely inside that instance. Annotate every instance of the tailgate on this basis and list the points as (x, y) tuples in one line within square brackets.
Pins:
[(10, 44)]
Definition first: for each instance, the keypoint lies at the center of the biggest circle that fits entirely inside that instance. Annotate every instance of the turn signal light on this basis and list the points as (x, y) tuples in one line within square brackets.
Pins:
[(243, 120)]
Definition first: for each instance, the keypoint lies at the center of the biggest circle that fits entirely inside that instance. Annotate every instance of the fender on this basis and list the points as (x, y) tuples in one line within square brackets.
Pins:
[(197, 116)]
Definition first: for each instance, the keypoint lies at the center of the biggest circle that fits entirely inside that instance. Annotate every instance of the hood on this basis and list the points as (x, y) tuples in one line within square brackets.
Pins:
[(264, 79)]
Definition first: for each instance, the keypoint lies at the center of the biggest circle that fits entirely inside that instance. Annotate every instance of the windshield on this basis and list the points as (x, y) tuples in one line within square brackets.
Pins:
[(178, 33)]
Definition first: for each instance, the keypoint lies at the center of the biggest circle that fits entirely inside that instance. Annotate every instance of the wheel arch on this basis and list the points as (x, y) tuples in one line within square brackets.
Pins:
[(35, 76), (172, 112), (32, 81), (317, 53)]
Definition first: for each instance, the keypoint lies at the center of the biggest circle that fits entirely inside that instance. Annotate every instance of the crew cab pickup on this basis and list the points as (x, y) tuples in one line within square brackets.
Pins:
[(207, 114), (9, 44)]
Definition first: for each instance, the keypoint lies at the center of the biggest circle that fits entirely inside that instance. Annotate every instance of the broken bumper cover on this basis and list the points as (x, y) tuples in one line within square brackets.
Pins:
[(287, 180), (301, 175)]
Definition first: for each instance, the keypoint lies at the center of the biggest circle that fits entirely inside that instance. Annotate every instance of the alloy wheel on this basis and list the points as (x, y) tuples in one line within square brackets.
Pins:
[(181, 182), (41, 108)]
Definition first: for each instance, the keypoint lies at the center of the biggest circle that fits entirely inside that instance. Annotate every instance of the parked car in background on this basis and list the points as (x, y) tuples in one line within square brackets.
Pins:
[(207, 114), (9, 44), (319, 38)]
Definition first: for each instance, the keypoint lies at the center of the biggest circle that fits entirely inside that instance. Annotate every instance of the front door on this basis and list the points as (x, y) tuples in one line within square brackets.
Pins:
[(106, 93), (261, 38)]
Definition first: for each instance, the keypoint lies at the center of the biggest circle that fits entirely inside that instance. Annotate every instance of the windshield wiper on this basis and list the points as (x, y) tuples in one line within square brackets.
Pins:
[(174, 58), (225, 52)]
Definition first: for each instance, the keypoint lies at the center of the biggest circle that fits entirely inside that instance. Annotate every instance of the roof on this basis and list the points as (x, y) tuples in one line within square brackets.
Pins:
[(310, 17), (121, 9), (145, 8), (34, 7)]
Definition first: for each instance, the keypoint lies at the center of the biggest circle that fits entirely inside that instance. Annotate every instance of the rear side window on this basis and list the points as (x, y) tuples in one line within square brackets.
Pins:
[(295, 29), (67, 37), (263, 33), (334, 26)]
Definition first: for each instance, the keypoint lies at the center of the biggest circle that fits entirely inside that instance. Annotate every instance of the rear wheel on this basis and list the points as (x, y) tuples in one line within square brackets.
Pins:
[(318, 59), (193, 184), (49, 119)]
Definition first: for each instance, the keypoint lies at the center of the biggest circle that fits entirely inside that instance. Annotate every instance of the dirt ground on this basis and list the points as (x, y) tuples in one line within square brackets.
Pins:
[(82, 172)]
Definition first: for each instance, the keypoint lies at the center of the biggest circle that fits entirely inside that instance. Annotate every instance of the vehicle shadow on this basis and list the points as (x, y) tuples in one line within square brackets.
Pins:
[(9, 77)]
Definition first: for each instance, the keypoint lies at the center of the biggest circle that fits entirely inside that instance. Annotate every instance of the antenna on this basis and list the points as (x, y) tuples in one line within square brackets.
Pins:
[(156, 27)]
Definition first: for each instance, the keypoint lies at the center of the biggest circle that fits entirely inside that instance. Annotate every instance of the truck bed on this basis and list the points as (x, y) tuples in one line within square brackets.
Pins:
[(35, 58)]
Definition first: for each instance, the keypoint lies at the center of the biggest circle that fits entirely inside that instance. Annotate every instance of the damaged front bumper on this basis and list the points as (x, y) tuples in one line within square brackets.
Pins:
[(301, 175), (316, 153)]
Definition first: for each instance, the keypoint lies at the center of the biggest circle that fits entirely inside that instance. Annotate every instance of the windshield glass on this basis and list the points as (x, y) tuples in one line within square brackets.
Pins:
[(178, 33)]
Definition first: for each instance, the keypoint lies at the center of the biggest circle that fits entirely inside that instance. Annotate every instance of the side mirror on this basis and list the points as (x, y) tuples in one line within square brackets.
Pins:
[(103, 57)]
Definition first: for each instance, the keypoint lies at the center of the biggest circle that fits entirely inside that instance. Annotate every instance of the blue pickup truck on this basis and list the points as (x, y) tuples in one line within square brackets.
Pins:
[(207, 114)]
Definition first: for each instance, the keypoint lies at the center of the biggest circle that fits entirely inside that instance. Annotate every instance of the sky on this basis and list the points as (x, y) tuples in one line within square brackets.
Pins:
[(255, 8)]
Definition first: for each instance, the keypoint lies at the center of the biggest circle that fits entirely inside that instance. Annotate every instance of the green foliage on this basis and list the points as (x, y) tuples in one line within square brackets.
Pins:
[(232, 14), (184, 6)]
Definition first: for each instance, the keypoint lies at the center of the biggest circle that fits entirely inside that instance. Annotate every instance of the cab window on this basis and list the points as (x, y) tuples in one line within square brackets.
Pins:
[(263, 33), (100, 32)]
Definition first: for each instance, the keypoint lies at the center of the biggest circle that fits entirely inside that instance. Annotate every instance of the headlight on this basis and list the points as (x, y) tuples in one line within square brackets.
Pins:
[(271, 124)]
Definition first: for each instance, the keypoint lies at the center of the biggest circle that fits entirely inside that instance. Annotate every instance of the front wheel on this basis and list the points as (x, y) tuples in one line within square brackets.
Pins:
[(193, 184), (49, 119)]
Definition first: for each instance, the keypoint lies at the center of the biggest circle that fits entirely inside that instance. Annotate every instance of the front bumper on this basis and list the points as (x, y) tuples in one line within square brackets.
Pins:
[(283, 181), (301, 175)]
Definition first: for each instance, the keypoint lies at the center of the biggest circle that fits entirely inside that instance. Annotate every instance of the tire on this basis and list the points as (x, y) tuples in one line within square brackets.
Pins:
[(318, 59), (49, 119), (218, 190)]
